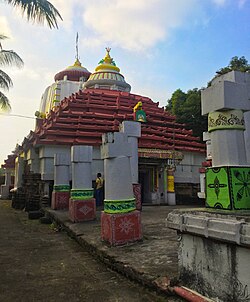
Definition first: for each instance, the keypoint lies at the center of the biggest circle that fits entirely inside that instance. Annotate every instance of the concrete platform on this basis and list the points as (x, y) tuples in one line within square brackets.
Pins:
[(152, 262)]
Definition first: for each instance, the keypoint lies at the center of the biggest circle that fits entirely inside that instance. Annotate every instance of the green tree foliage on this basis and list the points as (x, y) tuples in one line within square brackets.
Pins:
[(236, 63), (187, 109), (187, 106)]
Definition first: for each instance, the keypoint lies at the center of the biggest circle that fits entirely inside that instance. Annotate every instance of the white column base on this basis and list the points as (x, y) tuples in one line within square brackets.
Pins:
[(171, 199)]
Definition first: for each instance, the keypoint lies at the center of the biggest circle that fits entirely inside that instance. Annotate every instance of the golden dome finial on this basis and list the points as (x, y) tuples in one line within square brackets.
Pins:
[(107, 58), (77, 63), (107, 62)]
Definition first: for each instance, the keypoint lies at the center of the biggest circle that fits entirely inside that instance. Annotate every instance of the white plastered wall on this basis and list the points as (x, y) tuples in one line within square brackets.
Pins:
[(188, 170)]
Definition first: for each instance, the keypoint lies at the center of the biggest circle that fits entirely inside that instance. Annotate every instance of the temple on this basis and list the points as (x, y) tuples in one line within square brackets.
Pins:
[(79, 107)]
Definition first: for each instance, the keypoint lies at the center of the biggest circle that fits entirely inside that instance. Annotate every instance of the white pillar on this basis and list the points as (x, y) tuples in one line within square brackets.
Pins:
[(81, 158), (119, 203), (19, 170), (7, 177), (118, 180), (133, 131), (228, 148), (61, 172), (82, 205), (207, 139), (202, 193), (61, 189), (4, 194)]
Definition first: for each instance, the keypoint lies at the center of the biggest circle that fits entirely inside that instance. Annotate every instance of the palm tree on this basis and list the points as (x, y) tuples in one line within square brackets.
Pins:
[(39, 11), (7, 58)]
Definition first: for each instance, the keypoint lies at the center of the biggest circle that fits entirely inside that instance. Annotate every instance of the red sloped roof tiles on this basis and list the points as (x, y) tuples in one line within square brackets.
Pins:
[(84, 116)]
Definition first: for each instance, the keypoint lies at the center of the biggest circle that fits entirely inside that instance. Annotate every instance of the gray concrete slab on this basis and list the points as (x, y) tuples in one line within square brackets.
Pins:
[(152, 262)]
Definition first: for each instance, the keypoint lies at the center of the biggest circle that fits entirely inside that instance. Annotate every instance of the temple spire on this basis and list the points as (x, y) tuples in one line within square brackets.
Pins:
[(107, 58), (77, 54)]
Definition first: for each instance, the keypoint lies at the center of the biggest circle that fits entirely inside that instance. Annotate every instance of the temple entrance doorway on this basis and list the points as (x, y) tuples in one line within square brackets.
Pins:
[(149, 182), (144, 180)]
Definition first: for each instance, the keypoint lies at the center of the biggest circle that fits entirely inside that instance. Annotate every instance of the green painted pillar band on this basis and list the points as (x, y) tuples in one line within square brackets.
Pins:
[(61, 188), (119, 206), (81, 194), (231, 119)]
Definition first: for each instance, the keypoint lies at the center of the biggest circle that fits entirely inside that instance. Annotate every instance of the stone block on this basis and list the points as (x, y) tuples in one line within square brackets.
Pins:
[(118, 147), (108, 138), (61, 159), (217, 270), (213, 252), (81, 154), (60, 200), (228, 148), (137, 195), (206, 136), (131, 128), (82, 210), (81, 175), (228, 188), (120, 229), (225, 95), (50, 151), (245, 234), (5, 191), (118, 182), (233, 76), (171, 198)]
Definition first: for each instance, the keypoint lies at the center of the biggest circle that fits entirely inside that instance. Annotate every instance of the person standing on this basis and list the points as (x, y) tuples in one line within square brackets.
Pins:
[(99, 189)]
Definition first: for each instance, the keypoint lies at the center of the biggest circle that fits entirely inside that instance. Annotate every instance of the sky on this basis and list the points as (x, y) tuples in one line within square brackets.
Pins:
[(159, 46)]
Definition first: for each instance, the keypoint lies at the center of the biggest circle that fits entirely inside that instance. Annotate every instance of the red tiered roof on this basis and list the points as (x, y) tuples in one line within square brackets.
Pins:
[(83, 117), (9, 163)]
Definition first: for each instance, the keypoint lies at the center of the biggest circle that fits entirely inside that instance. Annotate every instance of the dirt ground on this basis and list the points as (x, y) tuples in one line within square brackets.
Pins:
[(41, 263)]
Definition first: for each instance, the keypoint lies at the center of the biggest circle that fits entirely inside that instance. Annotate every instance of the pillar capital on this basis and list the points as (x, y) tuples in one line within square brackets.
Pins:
[(131, 128), (115, 144)]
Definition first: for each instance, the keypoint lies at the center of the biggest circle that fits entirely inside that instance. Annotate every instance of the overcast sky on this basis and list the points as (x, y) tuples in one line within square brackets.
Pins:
[(159, 45)]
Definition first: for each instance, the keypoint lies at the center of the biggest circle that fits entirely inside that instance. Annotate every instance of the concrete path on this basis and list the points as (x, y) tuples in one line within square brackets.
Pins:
[(152, 262), (40, 263)]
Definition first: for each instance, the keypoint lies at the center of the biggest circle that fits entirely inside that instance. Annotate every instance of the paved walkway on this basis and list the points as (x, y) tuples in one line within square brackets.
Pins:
[(153, 262), (39, 263)]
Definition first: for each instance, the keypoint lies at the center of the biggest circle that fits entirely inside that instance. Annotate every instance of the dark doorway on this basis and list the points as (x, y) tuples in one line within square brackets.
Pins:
[(144, 180)]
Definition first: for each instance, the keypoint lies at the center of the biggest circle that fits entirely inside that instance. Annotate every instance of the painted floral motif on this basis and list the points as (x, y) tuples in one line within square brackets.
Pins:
[(126, 225), (85, 209), (62, 200), (244, 183), (81, 194), (225, 121), (216, 186), (119, 206)]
